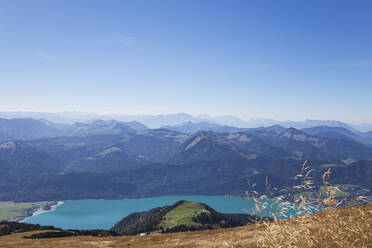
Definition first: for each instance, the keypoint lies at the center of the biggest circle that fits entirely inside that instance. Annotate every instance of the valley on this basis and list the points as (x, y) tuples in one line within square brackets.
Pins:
[(103, 214), (19, 211)]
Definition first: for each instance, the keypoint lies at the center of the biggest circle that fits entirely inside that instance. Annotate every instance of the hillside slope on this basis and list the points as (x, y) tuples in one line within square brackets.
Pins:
[(156, 162), (179, 217)]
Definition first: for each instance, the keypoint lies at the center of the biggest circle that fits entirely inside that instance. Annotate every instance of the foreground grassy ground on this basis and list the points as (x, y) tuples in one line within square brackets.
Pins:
[(236, 237), (10, 209), (239, 237)]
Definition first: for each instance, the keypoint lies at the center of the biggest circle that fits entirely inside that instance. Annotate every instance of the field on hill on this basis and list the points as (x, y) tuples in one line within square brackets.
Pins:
[(239, 237), (182, 215)]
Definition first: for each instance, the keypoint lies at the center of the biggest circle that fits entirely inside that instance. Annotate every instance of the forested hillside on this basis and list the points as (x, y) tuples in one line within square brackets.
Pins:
[(105, 160)]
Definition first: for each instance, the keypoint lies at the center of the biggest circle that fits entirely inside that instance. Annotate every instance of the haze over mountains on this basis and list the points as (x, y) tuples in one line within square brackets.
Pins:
[(157, 121), (42, 160), (29, 128)]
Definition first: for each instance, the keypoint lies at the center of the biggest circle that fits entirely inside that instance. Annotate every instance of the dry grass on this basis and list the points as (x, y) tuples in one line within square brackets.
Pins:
[(231, 237), (350, 227), (334, 227)]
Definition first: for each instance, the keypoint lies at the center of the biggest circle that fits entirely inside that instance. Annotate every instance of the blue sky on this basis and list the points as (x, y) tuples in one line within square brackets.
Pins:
[(276, 59)]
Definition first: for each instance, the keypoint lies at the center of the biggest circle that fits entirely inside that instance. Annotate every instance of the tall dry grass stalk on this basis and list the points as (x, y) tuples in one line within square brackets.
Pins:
[(333, 227)]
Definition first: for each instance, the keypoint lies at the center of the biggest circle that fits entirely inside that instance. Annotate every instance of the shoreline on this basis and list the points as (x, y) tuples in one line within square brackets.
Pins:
[(41, 210)]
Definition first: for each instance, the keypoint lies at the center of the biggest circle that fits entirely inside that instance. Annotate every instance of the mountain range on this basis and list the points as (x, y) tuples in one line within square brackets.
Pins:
[(28, 129), (157, 121), (42, 160)]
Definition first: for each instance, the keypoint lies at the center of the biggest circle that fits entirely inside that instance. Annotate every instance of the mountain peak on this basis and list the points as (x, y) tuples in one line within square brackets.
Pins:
[(293, 133), (211, 136), (204, 146)]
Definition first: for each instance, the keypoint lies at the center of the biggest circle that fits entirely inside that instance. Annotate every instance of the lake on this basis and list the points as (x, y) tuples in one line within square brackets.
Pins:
[(103, 214)]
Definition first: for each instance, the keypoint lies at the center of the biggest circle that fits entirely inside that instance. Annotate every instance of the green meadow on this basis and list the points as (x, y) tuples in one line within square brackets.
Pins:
[(182, 215), (10, 209)]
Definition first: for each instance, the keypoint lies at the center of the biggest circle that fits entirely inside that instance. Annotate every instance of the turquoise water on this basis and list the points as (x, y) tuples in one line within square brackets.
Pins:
[(103, 214)]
